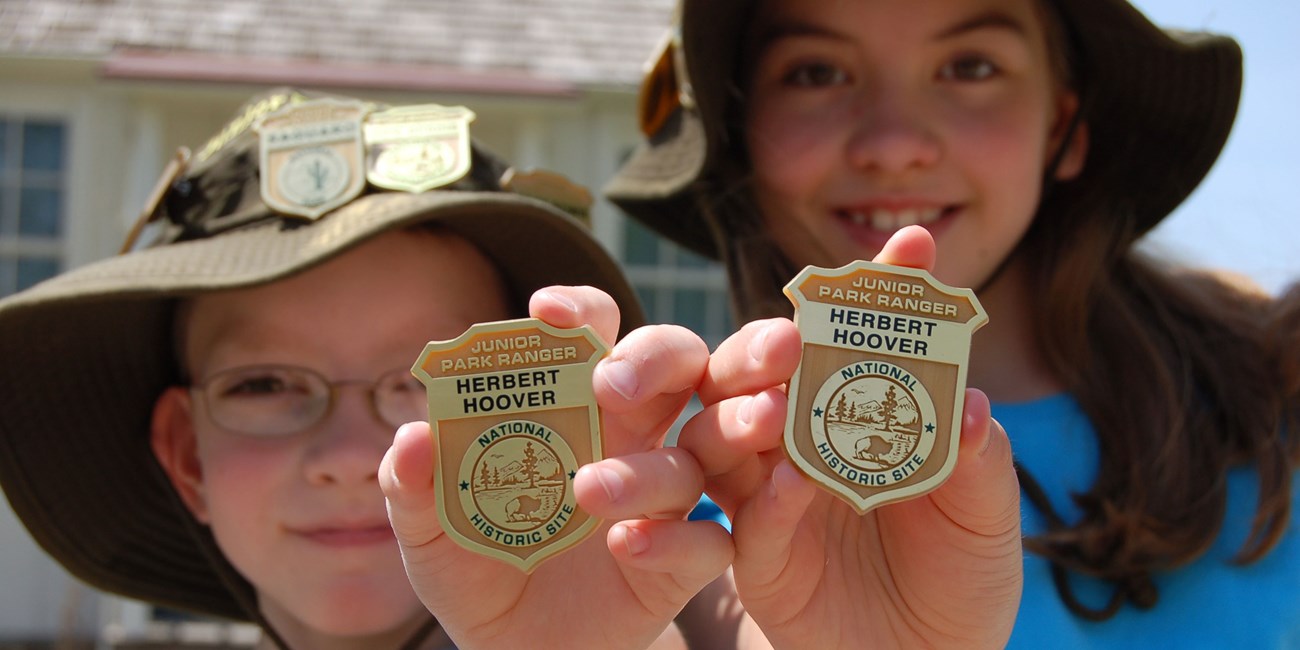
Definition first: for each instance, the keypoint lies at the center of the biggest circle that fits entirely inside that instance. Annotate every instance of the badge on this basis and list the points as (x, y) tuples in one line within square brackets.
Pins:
[(513, 418), (417, 148), (877, 399), (311, 156)]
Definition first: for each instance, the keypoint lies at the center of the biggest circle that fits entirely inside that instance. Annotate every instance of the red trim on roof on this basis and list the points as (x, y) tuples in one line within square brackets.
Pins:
[(185, 66)]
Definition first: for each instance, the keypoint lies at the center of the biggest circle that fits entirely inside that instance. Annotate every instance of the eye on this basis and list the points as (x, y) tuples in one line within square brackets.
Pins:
[(815, 75), (969, 68), (263, 382)]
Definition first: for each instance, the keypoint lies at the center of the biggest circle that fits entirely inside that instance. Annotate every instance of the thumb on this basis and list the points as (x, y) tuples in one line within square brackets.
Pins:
[(406, 477), (982, 495)]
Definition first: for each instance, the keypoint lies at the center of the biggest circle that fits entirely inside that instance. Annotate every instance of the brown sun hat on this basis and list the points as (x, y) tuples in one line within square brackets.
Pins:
[(83, 356), (1158, 104)]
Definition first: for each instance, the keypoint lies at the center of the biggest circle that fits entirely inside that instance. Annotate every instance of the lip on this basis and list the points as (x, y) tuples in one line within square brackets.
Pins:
[(869, 226), (346, 535)]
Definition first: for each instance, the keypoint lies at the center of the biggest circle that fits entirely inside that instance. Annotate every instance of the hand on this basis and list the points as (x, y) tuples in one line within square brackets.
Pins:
[(619, 588), (940, 570)]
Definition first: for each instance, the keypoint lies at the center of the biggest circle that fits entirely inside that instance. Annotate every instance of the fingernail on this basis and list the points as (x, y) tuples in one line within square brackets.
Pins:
[(781, 472), (621, 377), (988, 438), (634, 540), (758, 344), (745, 414), (610, 481), (562, 299)]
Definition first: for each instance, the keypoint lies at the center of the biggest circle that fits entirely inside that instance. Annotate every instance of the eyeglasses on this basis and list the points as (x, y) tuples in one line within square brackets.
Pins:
[(279, 400)]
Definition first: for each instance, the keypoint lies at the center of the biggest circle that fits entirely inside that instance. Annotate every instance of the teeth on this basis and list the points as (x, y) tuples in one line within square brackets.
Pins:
[(883, 220), (889, 220)]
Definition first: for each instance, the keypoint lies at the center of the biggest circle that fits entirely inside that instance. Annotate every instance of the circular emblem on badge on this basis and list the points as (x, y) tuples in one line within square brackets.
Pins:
[(873, 423), (313, 176), (414, 162), (517, 489)]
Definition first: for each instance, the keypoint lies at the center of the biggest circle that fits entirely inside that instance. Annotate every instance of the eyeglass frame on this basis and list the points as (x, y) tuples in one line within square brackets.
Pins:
[(202, 391)]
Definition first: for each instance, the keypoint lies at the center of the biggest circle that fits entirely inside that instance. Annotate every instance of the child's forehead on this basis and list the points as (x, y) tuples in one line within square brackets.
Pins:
[(934, 19), (411, 284)]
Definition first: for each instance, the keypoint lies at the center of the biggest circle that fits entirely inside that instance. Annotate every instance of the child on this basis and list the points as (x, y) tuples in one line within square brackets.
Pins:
[(199, 423), (1035, 141)]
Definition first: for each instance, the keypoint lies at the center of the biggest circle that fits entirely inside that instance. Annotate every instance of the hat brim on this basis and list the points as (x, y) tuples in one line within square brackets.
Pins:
[(92, 350), (1159, 107)]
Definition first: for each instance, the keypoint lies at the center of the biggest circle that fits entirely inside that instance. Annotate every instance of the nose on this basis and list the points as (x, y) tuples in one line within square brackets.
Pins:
[(891, 133), (346, 446)]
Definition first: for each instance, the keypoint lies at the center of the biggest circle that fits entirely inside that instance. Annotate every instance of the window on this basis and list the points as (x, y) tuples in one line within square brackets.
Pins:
[(676, 285), (33, 164)]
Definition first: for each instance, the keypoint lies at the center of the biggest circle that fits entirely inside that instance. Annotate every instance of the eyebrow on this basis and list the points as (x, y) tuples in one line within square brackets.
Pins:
[(793, 29), (988, 20)]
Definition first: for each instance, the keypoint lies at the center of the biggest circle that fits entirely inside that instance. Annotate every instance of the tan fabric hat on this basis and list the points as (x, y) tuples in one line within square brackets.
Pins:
[(1159, 106), (84, 355)]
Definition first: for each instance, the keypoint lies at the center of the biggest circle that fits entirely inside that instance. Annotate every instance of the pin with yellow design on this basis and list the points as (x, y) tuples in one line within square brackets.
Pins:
[(513, 417), (876, 403)]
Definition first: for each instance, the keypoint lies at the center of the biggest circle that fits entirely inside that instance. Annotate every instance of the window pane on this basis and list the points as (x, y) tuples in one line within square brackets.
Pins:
[(34, 269), (4, 145), (640, 246), (8, 220), (7, 265), (38, 212), (688, 260), (691, 310), (649, 301), (43, 146)]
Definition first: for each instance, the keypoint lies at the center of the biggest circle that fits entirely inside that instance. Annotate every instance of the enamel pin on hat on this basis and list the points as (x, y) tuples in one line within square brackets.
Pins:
[(417, 148), (513, 417), (877, 398), (311, 156)]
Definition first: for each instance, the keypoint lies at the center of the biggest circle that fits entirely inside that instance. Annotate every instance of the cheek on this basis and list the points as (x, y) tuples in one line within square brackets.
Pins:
[(240, 477), (790, 153)]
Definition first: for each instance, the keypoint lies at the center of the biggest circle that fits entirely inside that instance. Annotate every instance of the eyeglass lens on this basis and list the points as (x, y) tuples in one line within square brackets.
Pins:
[(274, 400)]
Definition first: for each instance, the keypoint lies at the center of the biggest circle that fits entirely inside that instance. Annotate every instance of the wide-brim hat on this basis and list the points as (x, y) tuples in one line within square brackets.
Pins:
[(1158, 106), (84, 355)]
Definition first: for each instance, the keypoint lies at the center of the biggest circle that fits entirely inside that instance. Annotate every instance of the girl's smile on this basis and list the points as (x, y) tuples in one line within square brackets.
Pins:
[(866, 117)]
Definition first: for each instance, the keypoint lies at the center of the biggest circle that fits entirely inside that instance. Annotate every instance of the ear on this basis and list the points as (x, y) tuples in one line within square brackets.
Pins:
[(176, 447), (1075, 143)]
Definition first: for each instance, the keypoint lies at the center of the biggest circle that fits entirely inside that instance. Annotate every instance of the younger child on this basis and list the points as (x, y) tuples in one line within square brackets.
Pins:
[(199, 423)]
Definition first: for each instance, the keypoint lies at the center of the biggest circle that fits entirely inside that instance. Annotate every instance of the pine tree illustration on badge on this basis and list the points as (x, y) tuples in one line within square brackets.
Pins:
[(877, 398), (513, 417)]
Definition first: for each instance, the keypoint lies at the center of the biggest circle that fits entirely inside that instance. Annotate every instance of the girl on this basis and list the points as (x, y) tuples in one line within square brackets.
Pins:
[(1035, 141)]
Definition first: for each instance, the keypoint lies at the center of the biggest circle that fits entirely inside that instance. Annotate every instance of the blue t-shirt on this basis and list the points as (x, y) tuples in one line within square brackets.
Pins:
[(1210, 603)]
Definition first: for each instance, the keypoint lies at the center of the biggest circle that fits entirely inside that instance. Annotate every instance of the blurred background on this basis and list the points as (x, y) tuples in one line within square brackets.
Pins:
[(96, 95)]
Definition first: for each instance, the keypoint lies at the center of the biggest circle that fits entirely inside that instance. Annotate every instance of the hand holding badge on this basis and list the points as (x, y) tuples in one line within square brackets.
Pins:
[(513, 417), (876, 402)]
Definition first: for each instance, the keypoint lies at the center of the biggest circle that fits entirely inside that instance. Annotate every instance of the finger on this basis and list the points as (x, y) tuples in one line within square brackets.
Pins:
[(568, 307), (729, 440), (664, 483), (692, 552), (761, 355), (982, 495), (406, 477), (911, 246), (646, 381), (765, 528)]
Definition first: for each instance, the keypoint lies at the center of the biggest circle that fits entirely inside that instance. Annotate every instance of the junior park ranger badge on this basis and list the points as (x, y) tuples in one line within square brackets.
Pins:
[(877, 399), (311, 156), (513, 418)]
